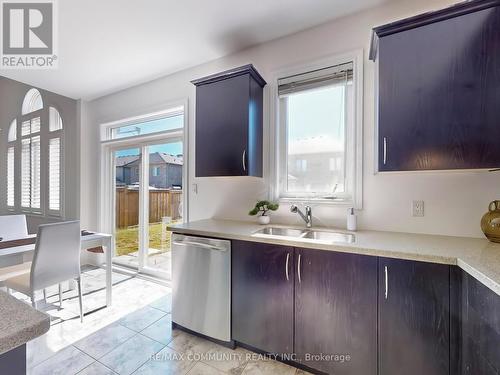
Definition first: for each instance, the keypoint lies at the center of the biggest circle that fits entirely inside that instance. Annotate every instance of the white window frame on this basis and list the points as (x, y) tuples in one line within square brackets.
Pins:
[(30, 116), (45, 135), (107, 177), (278, 153), (12, 144), (52, 134), (108, 127)]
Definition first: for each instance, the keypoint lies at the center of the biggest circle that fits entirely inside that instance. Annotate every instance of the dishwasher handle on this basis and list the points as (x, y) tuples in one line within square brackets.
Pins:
[(199, 244)]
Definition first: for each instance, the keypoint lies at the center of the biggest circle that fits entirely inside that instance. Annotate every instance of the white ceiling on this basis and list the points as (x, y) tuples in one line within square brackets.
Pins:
[(106, 46)]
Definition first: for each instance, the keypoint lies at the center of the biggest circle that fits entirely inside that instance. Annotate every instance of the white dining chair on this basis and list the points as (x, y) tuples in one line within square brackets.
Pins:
[(13, 227), (56, 260)]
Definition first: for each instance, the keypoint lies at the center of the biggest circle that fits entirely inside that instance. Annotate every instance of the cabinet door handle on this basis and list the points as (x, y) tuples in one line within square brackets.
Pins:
[(243, 159), (386, 273), (286, 266), (298, 268), (385, 150)]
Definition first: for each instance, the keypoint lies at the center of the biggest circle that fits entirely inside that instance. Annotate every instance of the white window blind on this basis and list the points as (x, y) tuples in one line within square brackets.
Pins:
[(30, 164), (10, 177), (26, 173), (35, 172), (35, 125), (30, 170), (26, 128), (334, 75), (54, 174)]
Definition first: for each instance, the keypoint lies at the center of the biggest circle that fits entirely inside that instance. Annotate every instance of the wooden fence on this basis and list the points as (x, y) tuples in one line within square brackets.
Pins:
[(161, 203)]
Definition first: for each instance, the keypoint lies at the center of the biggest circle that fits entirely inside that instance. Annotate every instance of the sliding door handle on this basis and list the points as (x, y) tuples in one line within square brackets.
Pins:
[(243, 160)]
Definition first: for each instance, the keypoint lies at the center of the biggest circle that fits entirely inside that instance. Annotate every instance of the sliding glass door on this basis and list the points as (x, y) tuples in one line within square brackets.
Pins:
[(143, 191), (127, 169), (148, 197), (164, 202)]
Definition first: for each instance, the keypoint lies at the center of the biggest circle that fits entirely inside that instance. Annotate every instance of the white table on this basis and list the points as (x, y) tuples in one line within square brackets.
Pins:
[(15, 255)]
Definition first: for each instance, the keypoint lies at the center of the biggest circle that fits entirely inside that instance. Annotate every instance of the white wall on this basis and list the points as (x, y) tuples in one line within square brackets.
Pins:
[(454, 201), (11, 98)]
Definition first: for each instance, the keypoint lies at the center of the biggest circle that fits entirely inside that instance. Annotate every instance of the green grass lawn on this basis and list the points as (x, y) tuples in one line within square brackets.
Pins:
[(127, 239)]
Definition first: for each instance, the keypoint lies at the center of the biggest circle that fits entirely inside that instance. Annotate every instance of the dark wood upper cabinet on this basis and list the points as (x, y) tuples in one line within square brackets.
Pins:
[(439, 89), (336, 311), (229, 123), (414, 318), (262, 296)]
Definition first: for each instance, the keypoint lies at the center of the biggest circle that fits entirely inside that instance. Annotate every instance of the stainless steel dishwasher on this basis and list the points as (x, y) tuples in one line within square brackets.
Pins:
[(201, 282)]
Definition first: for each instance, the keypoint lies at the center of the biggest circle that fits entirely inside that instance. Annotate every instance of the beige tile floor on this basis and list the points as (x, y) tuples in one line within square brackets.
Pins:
[(134, 336)]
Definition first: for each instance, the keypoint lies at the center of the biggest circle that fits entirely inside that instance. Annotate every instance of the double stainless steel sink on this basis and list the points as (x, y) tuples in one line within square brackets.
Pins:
[(308, 235)]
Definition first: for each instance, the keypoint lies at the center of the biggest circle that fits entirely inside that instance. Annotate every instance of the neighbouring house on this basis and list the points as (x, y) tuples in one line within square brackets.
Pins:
[(165, 170), (316, 164)]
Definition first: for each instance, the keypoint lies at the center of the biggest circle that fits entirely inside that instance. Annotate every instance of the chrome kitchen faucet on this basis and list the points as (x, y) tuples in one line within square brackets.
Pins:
[(307, 217)]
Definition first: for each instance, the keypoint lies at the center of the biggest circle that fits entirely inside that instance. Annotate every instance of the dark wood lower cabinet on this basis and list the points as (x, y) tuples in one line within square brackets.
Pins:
[(336, 312), (480, 328), (262, 296), (14, 362), (348, 314), (414, 318)]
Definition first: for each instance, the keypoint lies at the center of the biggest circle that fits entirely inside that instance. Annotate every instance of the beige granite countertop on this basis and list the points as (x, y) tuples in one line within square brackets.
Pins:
[(478, 257), (19, 322)]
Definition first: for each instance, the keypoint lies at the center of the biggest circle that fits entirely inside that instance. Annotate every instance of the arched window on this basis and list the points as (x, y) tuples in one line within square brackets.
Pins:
[(40, 135), (31, 152), (55, 152), (12, 131), (55, 120), (32, 102)]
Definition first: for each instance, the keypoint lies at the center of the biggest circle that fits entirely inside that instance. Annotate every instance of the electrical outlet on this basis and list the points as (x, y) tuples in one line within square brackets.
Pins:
[(417, 208)]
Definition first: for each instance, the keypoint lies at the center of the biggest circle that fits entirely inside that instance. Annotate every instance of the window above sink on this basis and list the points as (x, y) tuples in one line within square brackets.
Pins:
[(318, 132)]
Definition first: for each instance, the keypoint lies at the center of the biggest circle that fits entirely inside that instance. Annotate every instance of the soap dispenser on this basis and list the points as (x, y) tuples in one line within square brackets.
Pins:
[(351, 220)]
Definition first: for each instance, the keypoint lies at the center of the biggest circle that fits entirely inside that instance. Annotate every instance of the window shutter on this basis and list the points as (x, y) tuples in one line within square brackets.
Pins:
[(54, 173), (25, 128), (35, 125), (35, 172), (26, 173), (30, 153), (10, 177), (30, 173), (31, 189)]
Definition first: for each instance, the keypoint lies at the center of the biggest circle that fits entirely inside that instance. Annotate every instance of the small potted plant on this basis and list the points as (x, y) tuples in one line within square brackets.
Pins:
[(263, 207)]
